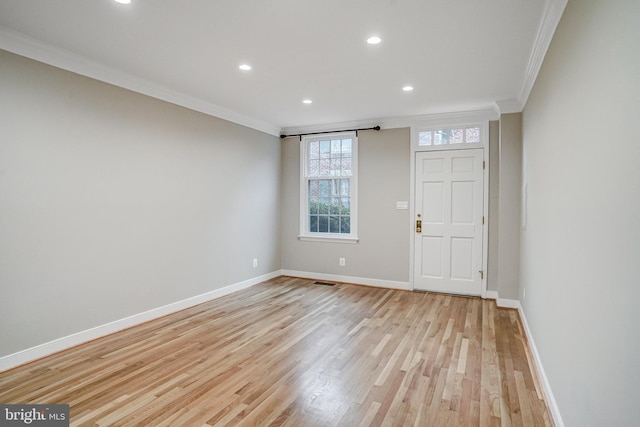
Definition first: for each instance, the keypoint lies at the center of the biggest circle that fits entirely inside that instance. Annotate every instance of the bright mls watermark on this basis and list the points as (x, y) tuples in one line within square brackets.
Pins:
[(34, 415)]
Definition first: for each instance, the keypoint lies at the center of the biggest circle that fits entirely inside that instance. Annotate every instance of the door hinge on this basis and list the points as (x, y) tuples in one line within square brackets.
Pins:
[(484, 164), (482, 220)]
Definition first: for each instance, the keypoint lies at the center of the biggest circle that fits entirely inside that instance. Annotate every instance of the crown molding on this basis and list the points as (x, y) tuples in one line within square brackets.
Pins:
[(507, 106), (481, 114), (22, 45), (551, 15), (484, 113)]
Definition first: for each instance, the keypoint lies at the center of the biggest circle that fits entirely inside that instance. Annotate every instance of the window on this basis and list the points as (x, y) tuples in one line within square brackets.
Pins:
[(454, 136), (328, 190)]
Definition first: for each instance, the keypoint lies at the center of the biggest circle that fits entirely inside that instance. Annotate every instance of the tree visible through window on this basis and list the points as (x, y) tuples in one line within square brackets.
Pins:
[(328, 190)]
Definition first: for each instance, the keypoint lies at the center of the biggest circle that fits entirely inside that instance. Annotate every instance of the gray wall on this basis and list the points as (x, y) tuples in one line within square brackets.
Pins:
[(384, 178), (580, 252), (509, 195), (494, 206), (113, 203)]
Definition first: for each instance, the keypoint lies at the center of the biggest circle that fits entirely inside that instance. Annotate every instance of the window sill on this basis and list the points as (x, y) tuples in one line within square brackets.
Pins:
[(329, 239)]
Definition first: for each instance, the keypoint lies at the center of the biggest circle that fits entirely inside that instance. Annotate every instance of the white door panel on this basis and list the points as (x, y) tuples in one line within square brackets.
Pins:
[(449, 197)]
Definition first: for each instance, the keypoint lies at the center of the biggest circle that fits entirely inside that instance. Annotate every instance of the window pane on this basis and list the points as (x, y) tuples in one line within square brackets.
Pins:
[(455, 136), (325, 149), (323, 208), (335, 187), (334, 207), (335, 167), (325, 167), (313, 207), (314, 148), (346, 148), (346, 205), (323, 224), (346, 166), (472, 135), (314, 167), (440, 137), (314, 188), (345, 187), (324, 190), (335, 148), (313, 223), (334, 224), (424, 138), (345, 225)]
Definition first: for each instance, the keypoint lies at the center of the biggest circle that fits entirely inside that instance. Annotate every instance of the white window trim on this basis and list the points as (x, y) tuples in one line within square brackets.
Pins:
[(305, 235), (331, 238)]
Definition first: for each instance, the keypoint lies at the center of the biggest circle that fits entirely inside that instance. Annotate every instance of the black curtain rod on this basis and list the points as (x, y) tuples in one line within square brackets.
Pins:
[(332, 131)]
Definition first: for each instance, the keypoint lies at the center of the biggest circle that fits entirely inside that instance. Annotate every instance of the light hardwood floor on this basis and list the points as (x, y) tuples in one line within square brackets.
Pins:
[(288, 352)]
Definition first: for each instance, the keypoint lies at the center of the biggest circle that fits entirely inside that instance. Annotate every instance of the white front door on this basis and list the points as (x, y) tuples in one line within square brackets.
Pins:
[(448, 203)]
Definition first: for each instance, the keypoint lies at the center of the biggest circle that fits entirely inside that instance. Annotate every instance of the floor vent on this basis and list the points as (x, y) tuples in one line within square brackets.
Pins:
[(324, 283)]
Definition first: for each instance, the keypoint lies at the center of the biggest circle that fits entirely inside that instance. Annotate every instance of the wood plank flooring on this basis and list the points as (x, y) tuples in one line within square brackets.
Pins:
[(288, 352)]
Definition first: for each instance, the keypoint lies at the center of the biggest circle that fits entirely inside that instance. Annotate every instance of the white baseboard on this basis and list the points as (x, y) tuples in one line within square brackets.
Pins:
[(503, 302), (42, 350), (349, 279), (546, 387), (508, 303)]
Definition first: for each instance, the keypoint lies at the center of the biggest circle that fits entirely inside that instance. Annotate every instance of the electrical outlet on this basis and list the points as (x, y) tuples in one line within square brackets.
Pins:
[(342, 262), (255, 262)]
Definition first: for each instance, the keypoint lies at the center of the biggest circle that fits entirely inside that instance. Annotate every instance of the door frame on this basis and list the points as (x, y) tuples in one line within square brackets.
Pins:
[(483, 123)]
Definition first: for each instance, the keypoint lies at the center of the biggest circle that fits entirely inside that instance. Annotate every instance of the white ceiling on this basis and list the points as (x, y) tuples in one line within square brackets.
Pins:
[(457, 54)]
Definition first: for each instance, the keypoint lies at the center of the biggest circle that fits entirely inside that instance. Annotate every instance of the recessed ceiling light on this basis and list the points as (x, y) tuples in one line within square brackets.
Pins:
[(123, 1), (245, 67), (407, 88), (374, 40), (307, 101)]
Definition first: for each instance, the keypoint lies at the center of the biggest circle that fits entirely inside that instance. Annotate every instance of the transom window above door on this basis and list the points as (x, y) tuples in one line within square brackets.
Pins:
[(450, 136)]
